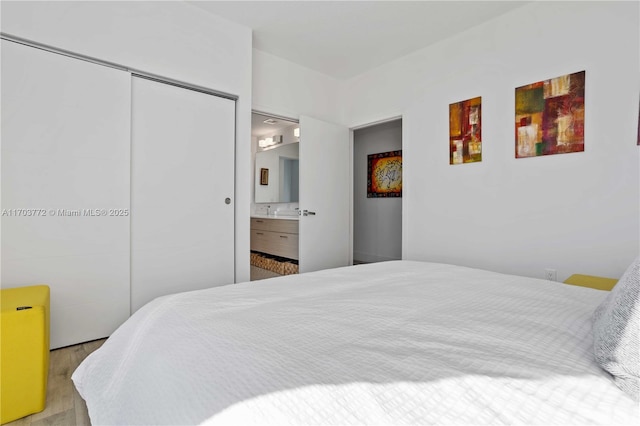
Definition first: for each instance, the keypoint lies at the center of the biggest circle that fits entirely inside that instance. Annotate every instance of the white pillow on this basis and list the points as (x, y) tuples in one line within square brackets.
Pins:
[(616, 326)]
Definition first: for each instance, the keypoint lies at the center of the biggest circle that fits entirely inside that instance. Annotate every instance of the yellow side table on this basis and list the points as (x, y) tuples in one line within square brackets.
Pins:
[(24, 351), (592, 281)]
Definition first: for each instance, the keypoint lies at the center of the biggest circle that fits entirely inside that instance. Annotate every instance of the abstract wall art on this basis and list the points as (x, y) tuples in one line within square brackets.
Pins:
[(550, 116), (465, 141), (384, 174)]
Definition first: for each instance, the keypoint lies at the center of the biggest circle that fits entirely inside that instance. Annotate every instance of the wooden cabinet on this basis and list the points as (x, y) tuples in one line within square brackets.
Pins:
[(275, 236)]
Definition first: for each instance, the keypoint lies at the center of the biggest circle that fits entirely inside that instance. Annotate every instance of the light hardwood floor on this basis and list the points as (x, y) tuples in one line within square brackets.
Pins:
[(261, 274), (64, 406)]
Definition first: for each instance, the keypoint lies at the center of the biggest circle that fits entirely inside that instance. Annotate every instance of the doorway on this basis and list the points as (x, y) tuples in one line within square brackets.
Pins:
[(377, 212), (321, 236), (275, 196)]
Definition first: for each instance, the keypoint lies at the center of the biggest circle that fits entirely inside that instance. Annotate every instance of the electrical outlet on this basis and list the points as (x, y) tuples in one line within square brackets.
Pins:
[(550, 275)]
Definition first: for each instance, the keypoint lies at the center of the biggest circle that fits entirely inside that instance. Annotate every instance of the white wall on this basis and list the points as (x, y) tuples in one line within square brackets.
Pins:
[(377, 222), (172, 39), (284, 88), (577, 213)]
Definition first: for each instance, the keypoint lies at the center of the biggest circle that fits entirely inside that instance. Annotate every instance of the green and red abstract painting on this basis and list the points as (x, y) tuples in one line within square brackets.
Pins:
[(550, 116)]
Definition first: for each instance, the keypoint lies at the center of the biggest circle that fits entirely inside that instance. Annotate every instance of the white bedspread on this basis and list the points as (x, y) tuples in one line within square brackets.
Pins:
[(388, 343)]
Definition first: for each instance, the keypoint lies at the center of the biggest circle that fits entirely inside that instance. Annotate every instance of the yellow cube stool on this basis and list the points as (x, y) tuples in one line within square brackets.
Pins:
[(24, 351), (599, 283)]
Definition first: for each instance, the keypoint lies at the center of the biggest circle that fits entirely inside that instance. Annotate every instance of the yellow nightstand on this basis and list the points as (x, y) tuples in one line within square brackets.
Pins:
[(591, 281), (24, 351)]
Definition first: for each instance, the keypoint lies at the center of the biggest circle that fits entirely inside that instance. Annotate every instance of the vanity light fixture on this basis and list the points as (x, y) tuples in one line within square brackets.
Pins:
[(267, 142)]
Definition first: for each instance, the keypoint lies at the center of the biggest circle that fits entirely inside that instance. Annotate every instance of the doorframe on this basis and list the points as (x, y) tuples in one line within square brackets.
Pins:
[(352, 176), (278, 116), (252, 189)]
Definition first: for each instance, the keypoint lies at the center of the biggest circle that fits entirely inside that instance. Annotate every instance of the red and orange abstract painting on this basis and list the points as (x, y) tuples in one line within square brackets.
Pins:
[(465, 129), (550, 116), (384, 174)]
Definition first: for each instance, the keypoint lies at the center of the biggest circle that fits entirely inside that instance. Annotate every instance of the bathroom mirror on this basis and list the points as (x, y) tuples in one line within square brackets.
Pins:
[(276, 175)]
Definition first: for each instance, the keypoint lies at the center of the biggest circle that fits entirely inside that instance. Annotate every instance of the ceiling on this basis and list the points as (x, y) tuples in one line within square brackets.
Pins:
[(345, 38)]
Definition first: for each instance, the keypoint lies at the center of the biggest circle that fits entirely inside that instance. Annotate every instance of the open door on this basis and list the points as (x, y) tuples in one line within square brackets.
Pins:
[(324, 195)]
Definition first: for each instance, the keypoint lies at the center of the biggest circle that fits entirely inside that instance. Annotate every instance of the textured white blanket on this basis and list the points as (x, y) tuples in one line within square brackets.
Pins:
[(388, 343)]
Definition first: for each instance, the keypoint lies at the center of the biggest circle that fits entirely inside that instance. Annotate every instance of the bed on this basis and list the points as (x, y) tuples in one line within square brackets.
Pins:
[(398, 342)]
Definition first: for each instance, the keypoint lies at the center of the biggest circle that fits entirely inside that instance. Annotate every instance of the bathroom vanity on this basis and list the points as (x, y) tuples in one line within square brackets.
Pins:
[(274, 235)]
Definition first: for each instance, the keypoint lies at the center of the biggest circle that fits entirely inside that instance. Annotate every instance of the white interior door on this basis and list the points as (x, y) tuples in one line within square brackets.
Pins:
[(65, 158), (182, 173), (324, 195)]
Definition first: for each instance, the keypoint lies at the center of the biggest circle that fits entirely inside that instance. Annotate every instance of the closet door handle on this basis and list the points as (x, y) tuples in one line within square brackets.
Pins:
[(308, 213)]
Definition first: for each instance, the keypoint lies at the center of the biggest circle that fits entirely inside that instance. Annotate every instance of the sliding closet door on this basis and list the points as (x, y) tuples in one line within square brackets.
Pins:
[(65, 188), (182, 183)]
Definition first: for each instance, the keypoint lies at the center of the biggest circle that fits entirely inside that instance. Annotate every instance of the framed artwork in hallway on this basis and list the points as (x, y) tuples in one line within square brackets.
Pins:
[(384, 174)]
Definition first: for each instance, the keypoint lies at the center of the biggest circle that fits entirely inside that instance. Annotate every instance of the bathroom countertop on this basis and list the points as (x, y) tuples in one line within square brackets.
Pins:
[(273, 216)]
